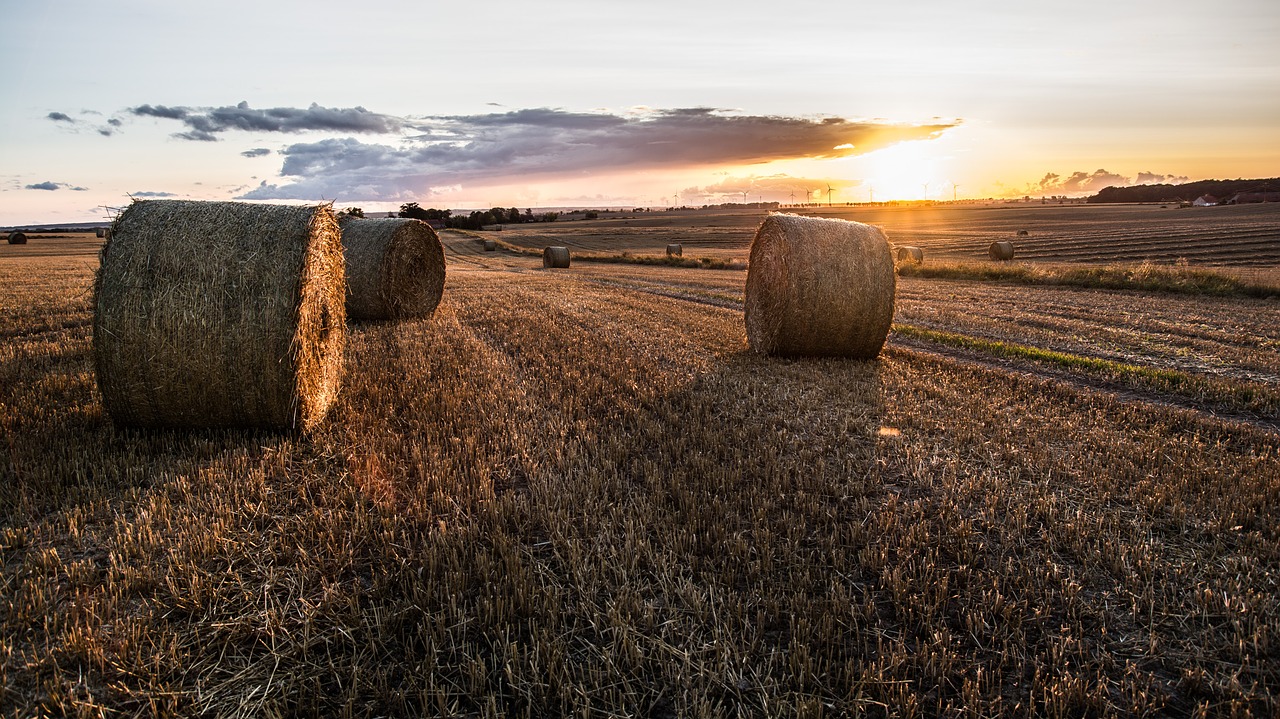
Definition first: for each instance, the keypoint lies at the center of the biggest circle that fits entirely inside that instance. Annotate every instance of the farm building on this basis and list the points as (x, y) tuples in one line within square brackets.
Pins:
[(1205, 201)]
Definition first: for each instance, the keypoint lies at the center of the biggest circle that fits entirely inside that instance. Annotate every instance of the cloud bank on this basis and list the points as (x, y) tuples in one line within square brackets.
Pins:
[(547, 143), (1078, 183)]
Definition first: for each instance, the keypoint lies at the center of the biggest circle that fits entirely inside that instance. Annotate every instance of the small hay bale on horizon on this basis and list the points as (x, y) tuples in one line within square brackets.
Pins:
[(907, 253), (17, 238), (819, 287), (220, 314), (555, 257), (490, 245), (1023, 233), (1000, 251), (395, 268), (675, 250), (100, 233)]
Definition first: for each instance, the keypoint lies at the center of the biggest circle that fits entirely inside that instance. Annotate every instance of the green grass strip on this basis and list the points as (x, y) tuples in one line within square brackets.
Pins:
[(1145, 276), (1236, 394)]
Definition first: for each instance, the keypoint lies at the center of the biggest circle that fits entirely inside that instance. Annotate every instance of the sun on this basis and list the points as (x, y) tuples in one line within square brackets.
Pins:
[(906, 171)]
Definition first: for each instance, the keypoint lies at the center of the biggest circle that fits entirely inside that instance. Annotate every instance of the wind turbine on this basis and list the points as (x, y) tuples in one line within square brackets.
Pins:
[(829, 193), (925, 196), (953, 191), (793, 197), (744, 197)]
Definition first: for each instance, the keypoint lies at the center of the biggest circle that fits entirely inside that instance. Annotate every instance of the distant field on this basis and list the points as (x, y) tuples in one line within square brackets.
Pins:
[(1244, 236), (577, 493)]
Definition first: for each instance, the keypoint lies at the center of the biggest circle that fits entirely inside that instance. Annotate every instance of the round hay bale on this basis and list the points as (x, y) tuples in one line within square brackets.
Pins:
[(100, 233), (490, 245), (1022, 233), (819, 287), (675, 250), (907, 253), (17, 238), (395, 268), (555, 257), (220, 314), (1000, 251)]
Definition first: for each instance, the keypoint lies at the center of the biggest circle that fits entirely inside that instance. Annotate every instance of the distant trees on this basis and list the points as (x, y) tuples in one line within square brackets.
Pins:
[(477, 219), (351, 212)]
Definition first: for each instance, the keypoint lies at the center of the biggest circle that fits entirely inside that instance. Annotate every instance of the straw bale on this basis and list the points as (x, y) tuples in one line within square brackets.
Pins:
[(1022, 233), (907, 253), (819, 287), (220, 314), (17, 238), (395, 268), (555, 257), (490, 245), (1002, 251), (675, 250), (100, 232)]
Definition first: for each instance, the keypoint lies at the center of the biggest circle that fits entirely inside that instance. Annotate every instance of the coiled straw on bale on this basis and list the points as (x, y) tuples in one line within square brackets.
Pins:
[(1002, 251), (907, 253), (819, 287), (490, 245), (556, 257), (220, 314), (395, 268), (17, 238), (675, 250)]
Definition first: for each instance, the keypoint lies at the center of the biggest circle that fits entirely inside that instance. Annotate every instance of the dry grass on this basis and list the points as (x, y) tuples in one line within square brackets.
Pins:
[(665, 525)]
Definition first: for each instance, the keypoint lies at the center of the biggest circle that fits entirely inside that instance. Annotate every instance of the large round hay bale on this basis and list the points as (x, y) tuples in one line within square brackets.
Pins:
[(1001, 251), (555, 257), (490, 245), (675, 250), (17, 238), (220, 314), (819, 287), (395, 268), (100, 233), (913, 255)]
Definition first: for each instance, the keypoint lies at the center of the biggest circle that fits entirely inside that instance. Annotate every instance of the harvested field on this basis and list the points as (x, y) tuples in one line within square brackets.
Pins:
[(579, 493), (1245, 236)]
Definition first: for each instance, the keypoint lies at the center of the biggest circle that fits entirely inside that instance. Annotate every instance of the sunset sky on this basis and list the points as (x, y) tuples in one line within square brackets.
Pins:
[(563, 102)]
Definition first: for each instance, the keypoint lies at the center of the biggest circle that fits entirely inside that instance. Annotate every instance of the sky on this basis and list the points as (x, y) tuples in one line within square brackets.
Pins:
[(571, 103)]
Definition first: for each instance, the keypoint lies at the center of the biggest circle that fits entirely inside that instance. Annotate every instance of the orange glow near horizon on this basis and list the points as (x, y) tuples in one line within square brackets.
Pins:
[(901, 172)]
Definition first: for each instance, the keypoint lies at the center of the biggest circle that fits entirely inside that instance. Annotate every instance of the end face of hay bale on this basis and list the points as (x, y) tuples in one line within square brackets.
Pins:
[(395, 268), (490, 245), (910, 255), (675, 250), (17, 238), (220, 314), (819, 287), (100, 232), (1000, 251), (555, 257)]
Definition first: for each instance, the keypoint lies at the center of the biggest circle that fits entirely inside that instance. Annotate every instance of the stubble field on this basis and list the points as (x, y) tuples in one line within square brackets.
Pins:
[(576, 492)]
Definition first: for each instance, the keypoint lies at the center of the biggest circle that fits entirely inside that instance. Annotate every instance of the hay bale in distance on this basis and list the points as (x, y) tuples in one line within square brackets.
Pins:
[(1000, 251), (819, 287), (395, 268), (100, 233), (675, 250), (17, 238), (220, 314), (1022, 233), (555, 257), (490, 245), (907, 253)]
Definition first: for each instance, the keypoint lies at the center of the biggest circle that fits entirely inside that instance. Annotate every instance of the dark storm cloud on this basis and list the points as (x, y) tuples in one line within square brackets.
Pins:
[(256, 152), (205, 123), (60, 117), (501, 147), (50, 186)]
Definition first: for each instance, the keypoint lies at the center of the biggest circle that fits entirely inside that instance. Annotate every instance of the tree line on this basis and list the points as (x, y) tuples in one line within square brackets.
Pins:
[(477, 219)]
